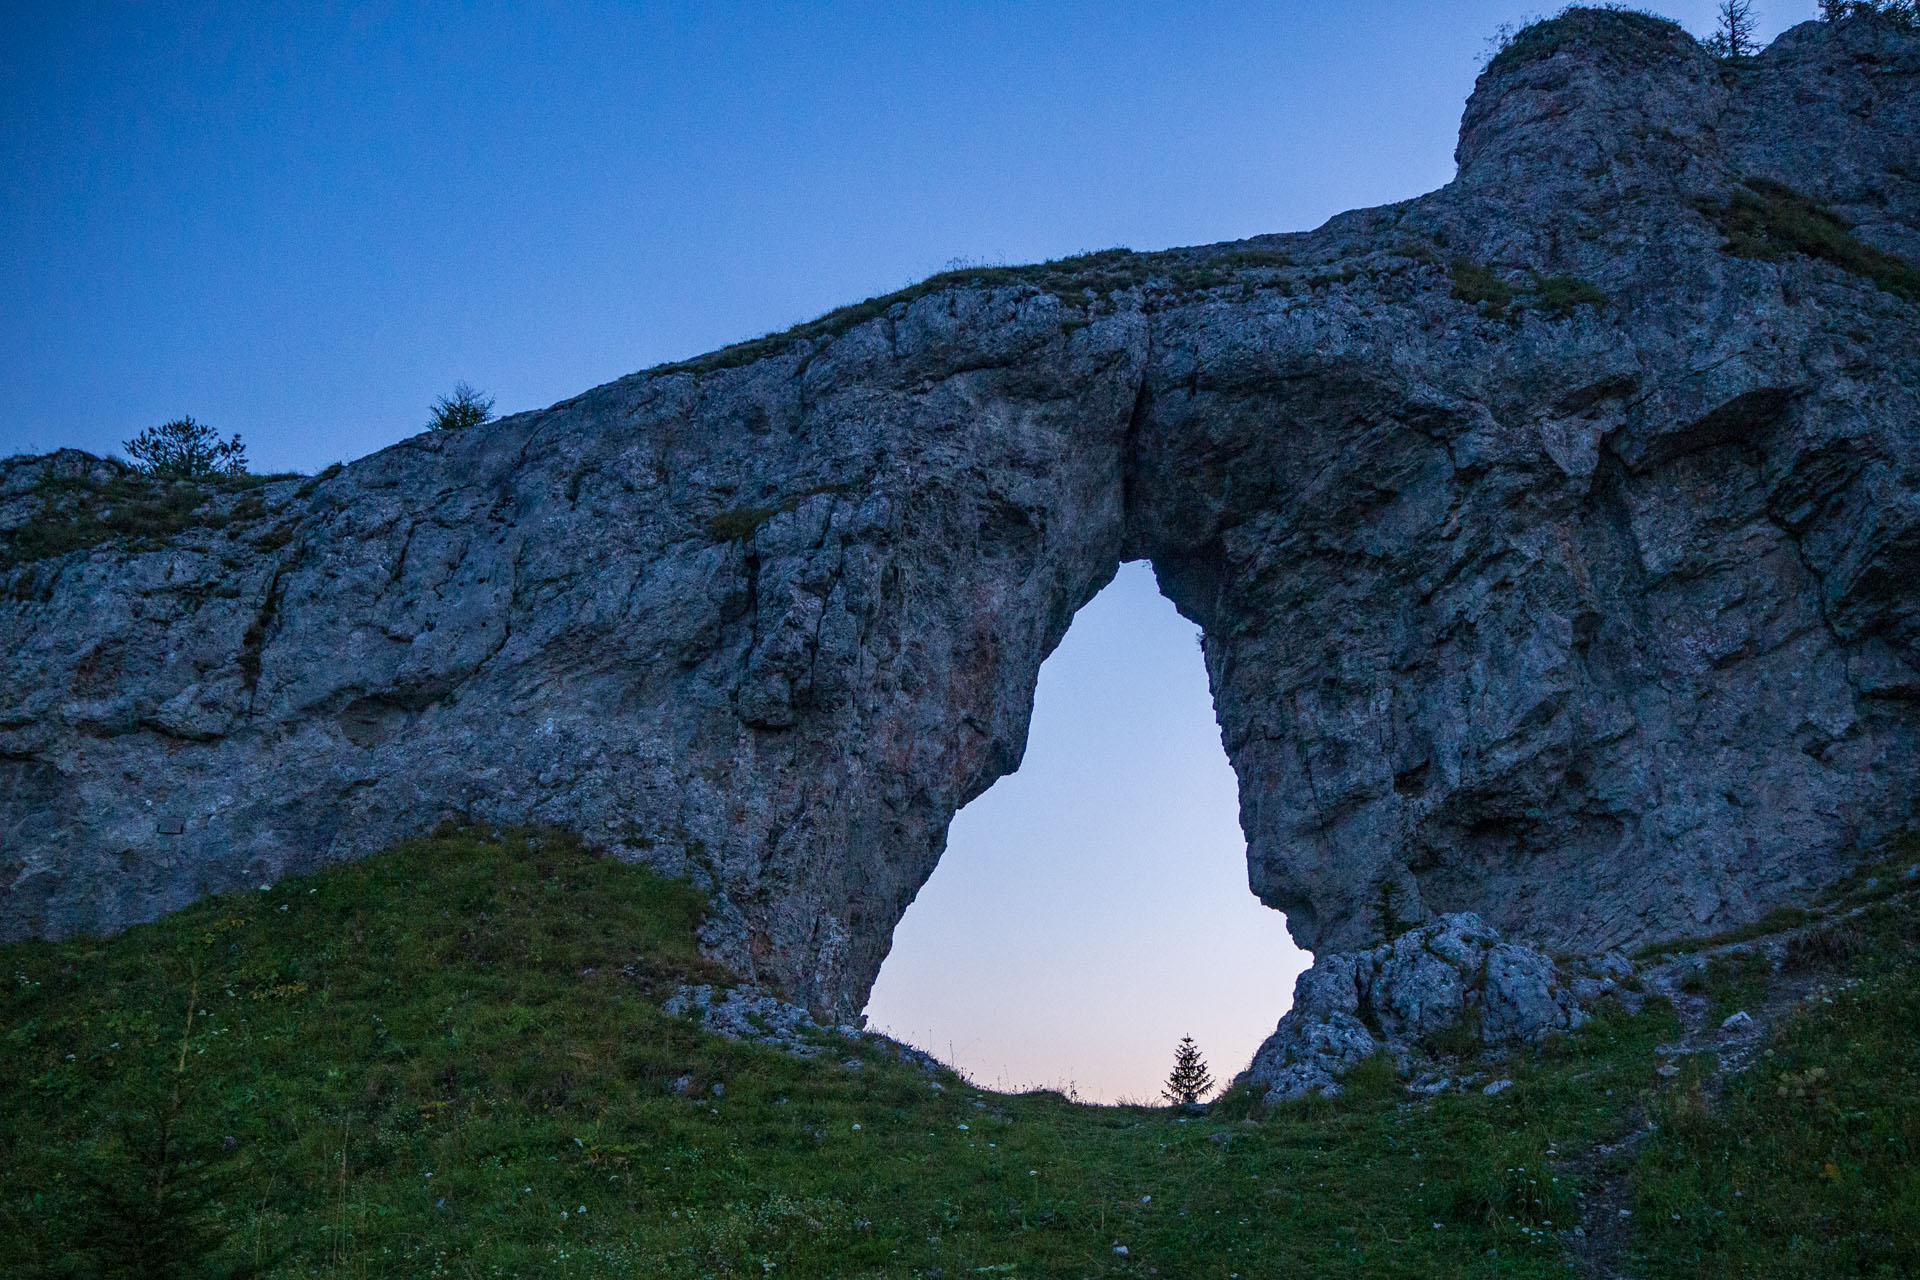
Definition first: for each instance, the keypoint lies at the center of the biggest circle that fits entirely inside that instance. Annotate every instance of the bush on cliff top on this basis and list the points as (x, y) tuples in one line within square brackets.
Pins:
[(464, 407), (1905, 13), (185, 449), (1611, 27)]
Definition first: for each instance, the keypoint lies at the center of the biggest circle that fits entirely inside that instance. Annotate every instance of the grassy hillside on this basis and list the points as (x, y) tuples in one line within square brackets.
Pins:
[(451, 1060), (1807, 1163)]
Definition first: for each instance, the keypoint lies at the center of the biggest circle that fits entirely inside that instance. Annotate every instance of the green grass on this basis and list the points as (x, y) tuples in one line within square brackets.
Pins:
[(1476, 283), (1770, 221), (1881, 877), (487, 1012), (129, 509), (1775, 921), (318, 478), (1559, 296), (429, 1062), (1556, 296), (739, 524), (1806, 1165), (1610, 27), (1077, 281)]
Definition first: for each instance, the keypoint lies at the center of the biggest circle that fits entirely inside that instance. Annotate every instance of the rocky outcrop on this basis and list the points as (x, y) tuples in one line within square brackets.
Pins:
[(1553, 537), (758, 1016), (1450, 987), (751, 1013)]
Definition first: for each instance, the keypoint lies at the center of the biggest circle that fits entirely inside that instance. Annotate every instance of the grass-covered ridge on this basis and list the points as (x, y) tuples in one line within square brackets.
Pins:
[(105, 501), (1614, 28), (451, 1060), (1079, 278), (1806, 1164)]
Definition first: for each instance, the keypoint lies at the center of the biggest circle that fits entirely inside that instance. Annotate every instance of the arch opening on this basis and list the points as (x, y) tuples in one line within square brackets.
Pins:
[(1092, 907)]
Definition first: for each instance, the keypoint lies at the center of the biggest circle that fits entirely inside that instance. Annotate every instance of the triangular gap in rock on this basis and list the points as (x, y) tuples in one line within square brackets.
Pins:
[(1092, 908)]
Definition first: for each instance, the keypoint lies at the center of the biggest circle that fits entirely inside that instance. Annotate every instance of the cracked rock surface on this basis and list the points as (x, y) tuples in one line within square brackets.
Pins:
[(1554, 549)]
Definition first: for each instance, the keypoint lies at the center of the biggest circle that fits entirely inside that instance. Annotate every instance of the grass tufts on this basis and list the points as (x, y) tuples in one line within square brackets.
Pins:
[(739, 524), (431, 1061), (1803, 1165), (1613, 28), (1476, 283), (1559, 296), (112, 503), (1777, 920), (451, 1059), (318, 478), (1078, 281), (1769, 221)]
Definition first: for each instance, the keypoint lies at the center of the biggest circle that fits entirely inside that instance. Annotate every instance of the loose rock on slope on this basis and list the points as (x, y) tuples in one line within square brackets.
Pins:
[(1453, 978)]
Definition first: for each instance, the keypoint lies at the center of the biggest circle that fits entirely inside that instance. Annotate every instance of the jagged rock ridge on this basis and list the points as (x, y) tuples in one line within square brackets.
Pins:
[(1553, 537)]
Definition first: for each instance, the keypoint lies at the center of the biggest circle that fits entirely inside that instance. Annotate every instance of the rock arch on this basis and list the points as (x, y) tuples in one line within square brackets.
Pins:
[(1554, 562)]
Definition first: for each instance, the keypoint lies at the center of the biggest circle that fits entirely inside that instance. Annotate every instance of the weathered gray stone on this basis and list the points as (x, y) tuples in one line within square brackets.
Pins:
[(750, 1013), (1420, 982), (1522, 997), (1306, 1054), (1595, 617), (1447, 978)]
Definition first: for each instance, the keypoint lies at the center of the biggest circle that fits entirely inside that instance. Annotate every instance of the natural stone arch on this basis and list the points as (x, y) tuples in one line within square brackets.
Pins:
[(1588, 608)]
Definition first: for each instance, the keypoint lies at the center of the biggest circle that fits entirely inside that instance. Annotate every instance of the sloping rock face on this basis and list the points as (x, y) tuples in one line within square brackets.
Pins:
[(1554, 537)]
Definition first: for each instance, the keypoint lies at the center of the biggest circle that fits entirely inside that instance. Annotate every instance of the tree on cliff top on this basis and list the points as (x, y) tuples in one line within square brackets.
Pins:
[(1189, 1081), (466, 407), (186, 450), (1904, 12), (1734, 38)]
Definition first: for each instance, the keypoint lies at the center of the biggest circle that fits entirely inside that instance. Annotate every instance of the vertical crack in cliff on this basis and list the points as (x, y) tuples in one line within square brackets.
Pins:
[(1130, 440), (253, 641), (406, 545)]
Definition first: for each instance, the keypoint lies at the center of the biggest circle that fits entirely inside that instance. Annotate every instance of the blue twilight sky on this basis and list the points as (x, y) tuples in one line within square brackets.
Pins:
[(302, 222)]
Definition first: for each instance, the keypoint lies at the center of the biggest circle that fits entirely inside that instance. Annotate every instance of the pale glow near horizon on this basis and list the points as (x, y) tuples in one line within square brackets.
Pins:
[(1093, 907)]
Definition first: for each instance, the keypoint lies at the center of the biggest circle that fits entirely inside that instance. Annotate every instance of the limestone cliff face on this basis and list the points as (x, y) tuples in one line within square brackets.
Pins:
[(1555, 538)]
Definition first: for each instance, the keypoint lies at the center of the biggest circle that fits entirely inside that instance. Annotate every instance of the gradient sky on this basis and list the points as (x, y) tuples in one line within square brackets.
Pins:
[(1092, 908), (302, 222)]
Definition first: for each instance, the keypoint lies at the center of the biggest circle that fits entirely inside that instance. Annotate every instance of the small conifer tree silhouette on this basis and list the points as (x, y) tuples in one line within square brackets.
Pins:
[(1735, 36), (466, 407), (1386, 914), (1189, 1081), (151, 1190)]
